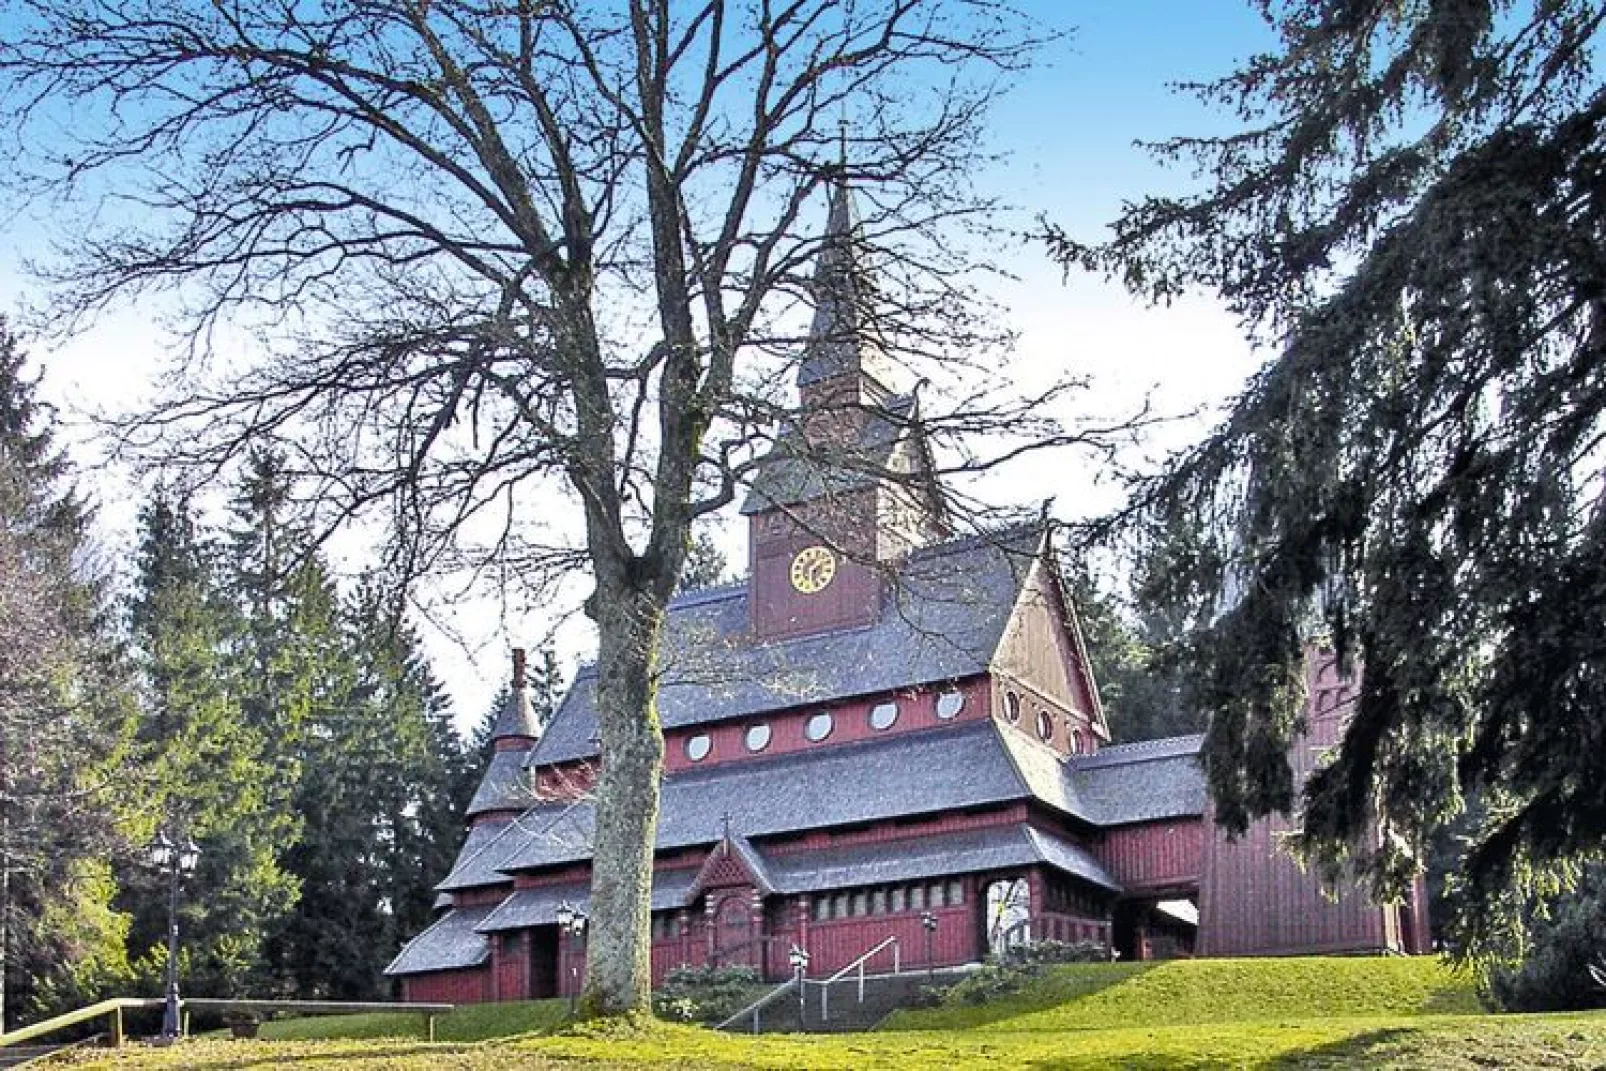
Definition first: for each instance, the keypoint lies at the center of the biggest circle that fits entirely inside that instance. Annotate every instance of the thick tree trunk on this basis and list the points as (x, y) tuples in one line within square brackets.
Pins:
[(618, 958)]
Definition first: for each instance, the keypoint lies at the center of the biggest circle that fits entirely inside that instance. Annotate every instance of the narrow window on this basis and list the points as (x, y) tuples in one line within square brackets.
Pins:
[(956, 892), (878, 902), (897, 899), (917, 898), (935, 895), (861, 904), (1045, 726), (1012, 707)]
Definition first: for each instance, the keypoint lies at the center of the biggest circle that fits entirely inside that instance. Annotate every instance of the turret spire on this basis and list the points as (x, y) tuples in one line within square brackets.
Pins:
[(843, 339)]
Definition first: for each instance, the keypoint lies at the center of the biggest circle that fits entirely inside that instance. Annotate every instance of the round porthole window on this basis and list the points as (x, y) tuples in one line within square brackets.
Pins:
[(1045, 726), (1012, 707), (698, 747), (949, 704), (882, 715), (758, 737), (819, 727)]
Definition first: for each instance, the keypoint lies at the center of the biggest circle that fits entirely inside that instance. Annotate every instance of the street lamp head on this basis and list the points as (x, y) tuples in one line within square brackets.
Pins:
[(928, 920), (162, 850), (189, 854), (565, 915)]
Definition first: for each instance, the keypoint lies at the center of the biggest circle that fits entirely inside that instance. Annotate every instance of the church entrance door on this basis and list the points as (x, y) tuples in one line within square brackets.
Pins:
[(733, 933)]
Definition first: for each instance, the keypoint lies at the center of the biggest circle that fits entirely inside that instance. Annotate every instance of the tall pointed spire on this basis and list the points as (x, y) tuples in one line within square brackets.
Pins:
[(843, 339)]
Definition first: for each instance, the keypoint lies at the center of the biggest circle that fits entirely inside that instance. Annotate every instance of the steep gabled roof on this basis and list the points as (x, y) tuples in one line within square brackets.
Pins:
[(506, 786), (539, 906), (449, 944), (795, 471), (942, 619), (1141, 782), (928, 772), (963, 852), (843, 338)]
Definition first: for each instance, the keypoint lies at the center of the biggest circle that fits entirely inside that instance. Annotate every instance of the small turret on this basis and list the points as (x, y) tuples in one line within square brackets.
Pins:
[(507, 786), (517, 727)]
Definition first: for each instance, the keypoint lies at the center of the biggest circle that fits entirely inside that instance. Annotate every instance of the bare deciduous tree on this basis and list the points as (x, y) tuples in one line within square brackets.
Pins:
[(493, 250)]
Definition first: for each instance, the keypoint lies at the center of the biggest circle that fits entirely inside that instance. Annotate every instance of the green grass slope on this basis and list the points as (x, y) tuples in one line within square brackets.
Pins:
[(1431, 1043), (1280, 1015), (470, 1022), (1101, 996)]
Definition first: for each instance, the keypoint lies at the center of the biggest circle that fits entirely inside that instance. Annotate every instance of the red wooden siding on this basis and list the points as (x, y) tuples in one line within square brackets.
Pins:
[(471, 986), (1254, 898), (1038, 660), (853, 597), (510, 965), (1154, 856), (916, 710)]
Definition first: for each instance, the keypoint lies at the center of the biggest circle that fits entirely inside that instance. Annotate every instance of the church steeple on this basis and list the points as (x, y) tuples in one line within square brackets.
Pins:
[(845, 352)]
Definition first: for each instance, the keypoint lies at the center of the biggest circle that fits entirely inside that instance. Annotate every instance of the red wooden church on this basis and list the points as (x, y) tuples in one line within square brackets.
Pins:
[(882, 728)]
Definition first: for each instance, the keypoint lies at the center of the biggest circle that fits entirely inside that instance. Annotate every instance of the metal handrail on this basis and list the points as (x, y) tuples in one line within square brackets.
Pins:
[(760, 1004), (825, 986)]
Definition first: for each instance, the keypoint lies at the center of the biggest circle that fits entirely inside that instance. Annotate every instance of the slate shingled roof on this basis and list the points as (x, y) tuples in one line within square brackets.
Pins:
[(795, 472), (450, 944), (1142, 782), (943, 620), (963, 852), (935, 771), (539, 906), (929, 772), (506, 786)]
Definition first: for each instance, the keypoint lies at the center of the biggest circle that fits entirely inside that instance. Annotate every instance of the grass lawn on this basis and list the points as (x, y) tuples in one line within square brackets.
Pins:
[(1310, 1013)]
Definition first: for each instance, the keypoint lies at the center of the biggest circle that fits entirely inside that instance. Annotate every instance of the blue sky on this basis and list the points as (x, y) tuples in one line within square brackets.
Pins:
[(1069, 129)]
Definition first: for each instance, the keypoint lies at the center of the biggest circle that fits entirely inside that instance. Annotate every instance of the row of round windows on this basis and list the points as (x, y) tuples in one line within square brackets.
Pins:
[(882, 716), (1045, 722)]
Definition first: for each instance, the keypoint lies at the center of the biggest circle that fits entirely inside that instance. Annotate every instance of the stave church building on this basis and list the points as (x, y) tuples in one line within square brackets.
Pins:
[(884, 731)]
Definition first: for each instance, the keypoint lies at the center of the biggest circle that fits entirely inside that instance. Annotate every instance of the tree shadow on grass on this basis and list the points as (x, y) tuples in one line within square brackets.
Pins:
[(264, 1056), (1045, 992), (1360, 1050)]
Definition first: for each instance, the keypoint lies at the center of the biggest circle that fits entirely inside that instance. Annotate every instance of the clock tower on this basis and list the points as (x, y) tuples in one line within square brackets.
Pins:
[(849, 487)]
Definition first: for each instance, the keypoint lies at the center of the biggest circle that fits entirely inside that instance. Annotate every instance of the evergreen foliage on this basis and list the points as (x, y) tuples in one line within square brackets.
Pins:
[(1410, 210), (1139, 687), (65, 716), (1565, 939), (210, 771)]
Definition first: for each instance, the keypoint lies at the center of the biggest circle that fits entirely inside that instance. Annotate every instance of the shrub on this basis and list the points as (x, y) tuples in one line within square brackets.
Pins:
[(1047, 952), (706, 994)]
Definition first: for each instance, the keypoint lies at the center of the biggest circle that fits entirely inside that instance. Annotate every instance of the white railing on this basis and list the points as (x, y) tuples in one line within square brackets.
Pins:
[(856, 965)]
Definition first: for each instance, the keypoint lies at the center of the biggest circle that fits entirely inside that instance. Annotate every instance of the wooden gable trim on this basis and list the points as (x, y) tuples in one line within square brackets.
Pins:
[(1080, 668), (733, 863)]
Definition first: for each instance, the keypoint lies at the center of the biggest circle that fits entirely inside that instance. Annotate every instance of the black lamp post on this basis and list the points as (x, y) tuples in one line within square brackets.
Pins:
[(928, 922), (572, 922), (179, 860)]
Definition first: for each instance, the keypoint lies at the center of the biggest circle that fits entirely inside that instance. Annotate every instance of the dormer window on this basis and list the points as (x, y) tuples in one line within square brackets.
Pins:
[(1045, 726), (758, 736), (1012, 707), (882, 715), (949, 704), (819, 727), (698, 747)]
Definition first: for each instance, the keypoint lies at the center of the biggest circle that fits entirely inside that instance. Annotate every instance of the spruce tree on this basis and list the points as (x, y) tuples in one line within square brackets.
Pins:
[(64, 720), (1409, 212), (211, 776)]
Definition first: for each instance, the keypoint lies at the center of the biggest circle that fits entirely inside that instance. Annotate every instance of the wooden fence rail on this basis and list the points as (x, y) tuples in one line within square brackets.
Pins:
[(113, 1010)]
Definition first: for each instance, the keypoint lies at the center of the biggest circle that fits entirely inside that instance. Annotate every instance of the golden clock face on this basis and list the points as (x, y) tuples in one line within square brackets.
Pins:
[(812, 569)]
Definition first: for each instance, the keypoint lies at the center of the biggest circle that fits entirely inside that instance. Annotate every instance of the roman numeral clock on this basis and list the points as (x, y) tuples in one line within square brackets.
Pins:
[(813, 569)]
